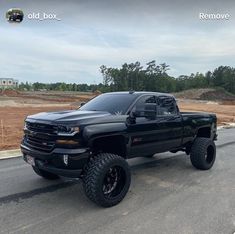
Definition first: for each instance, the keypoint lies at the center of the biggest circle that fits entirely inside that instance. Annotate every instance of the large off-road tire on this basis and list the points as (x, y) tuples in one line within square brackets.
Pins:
[(107, 179), (203, 153), (45, 174)]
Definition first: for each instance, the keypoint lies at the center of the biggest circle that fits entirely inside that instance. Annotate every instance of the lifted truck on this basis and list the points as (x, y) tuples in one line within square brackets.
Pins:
[(94, 141)]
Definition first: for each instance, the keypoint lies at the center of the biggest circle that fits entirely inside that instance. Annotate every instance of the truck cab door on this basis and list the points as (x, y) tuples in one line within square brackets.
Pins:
[(159, 133), (169, 123), (142, 131)]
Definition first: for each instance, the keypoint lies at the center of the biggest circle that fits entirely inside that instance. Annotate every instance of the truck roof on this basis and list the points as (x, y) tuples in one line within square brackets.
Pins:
[(139, 93)]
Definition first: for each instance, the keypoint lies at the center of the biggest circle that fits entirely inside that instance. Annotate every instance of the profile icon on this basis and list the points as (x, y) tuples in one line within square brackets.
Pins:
[(14, 15)]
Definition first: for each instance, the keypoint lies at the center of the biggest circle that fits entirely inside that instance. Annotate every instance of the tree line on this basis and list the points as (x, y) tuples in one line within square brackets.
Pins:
[(148, 77)]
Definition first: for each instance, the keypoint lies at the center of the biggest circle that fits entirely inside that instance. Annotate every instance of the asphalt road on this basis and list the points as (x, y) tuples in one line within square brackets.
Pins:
[(167, 195)]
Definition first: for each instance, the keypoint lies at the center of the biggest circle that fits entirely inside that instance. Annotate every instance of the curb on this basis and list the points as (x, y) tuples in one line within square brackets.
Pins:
[(7, 154), (226, 126)]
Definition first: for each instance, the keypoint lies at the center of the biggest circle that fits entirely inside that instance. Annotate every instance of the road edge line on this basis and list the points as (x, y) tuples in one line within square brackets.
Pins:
[(9, 157), (8, 154)]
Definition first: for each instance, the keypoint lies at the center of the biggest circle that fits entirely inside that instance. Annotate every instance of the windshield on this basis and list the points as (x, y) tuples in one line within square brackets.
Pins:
[(116, 104)]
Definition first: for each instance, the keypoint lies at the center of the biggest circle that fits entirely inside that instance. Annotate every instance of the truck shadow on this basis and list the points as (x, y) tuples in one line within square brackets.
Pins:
[(144, 166), (160, 161), (25, 195)]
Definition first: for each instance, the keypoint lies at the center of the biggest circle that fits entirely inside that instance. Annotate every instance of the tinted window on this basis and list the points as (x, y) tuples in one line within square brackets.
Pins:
[(166, 106), (145, 104), (143, 101), (116, 104)]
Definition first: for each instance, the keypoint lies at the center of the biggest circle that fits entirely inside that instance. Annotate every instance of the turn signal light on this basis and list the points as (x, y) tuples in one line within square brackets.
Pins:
[(67, 142)]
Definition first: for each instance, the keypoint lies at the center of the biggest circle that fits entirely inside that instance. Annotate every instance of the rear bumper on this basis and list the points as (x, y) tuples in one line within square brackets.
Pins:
[(54, 161)]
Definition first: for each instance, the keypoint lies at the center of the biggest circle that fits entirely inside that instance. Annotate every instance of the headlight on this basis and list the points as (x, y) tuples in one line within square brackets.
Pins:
[(65, 131)]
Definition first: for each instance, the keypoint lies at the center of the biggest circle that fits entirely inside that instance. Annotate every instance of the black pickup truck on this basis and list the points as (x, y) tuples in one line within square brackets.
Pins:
[(94, 141)]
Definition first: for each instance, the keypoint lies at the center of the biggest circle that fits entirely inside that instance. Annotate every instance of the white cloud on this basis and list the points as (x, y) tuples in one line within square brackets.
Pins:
[(90, 35)]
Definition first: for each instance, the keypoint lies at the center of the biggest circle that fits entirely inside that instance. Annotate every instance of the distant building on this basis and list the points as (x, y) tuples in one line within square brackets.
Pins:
[(8, 83)]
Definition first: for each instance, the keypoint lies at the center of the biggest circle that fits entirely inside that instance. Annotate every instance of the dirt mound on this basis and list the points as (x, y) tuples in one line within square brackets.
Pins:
[(206, 94), (220, 95), (9, 93), (97, 92), (192, 93), (228, 102)]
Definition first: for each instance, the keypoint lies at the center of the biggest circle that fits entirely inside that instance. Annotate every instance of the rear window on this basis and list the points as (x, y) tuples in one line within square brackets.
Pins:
[(166, 106)]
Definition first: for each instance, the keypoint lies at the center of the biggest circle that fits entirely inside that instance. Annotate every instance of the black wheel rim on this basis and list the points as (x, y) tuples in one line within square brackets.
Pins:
[(210, 154), (114, 182)]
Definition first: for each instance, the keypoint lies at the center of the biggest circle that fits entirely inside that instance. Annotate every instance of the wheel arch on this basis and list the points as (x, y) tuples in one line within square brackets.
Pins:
[(204, 132), (115, 144)]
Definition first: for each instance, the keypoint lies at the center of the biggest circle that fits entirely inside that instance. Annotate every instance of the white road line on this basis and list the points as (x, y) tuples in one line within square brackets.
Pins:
[(8, 157)]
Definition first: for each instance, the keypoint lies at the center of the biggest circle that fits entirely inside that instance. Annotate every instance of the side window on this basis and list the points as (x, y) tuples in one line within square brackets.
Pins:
[(166, 106), (145, 104)]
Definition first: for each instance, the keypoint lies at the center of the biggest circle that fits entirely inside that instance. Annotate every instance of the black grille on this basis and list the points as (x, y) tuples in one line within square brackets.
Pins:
[(44, 128), (39, 143), (40, 137)]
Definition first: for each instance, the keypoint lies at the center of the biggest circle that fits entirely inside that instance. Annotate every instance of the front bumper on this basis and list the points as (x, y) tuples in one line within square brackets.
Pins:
[(54, 161)]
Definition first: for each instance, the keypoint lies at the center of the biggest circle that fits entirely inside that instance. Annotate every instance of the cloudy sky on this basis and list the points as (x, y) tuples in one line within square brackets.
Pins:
[(110, 32)]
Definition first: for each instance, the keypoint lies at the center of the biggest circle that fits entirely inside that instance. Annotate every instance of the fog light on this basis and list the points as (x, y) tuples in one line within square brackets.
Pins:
[(66, 159)]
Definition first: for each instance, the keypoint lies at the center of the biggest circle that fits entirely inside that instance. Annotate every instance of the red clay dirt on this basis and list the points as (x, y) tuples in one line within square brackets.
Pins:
[(15, 106), (12, 123)]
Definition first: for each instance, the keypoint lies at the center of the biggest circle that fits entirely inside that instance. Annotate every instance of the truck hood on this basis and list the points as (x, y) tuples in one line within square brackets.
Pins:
[(67, 117), (71, 117)]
